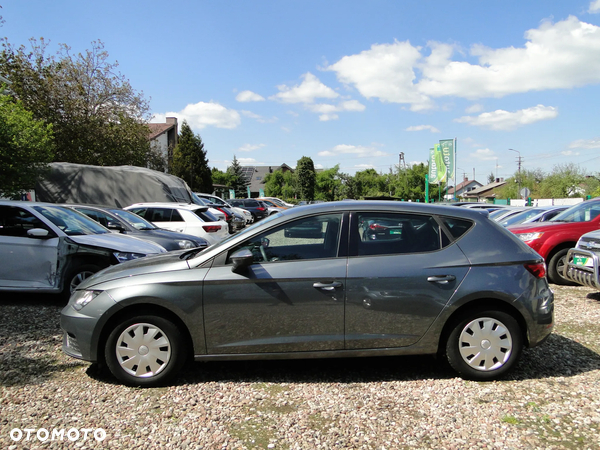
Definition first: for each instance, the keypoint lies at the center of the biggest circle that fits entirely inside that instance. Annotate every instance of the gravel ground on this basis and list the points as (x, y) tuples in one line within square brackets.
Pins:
[(551, 400)]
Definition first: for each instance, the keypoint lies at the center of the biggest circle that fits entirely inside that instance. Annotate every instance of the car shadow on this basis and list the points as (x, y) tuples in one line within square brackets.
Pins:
[(558, 357)]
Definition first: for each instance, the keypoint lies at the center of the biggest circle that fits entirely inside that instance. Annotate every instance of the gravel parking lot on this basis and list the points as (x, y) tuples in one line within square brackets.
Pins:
[(551, 401)]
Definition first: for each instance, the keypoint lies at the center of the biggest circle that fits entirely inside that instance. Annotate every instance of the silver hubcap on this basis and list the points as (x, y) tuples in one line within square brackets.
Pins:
[(78, 279), (143, 350), (485, 344)]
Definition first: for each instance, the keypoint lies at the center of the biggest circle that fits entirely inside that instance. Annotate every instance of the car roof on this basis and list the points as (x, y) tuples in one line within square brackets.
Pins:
[(189, 206)]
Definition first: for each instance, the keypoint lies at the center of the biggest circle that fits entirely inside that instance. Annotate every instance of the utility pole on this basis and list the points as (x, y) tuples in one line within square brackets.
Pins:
[(519, 164)]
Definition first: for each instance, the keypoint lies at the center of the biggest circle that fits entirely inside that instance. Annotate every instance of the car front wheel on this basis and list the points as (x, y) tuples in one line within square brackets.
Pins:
[(484, 345), (145, 351), (556, 267)]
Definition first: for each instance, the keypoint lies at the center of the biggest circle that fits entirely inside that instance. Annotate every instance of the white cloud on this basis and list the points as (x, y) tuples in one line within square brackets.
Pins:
[(258, 117), (328, 111), (594, 7), (250, 147), (158, 118), (386, 72), (306, 92), (560, 55), (201, 115), (585, 143), (483, 154), (356, 150), (569, 153), (474, 108), (505, 120), (249, 96), (423, 127)]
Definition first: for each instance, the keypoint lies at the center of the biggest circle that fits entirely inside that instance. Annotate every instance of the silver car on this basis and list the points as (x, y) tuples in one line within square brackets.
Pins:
[(437, 280), (47, 248)]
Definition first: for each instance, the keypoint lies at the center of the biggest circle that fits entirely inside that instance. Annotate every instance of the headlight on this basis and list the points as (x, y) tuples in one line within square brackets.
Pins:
[(185, 244), (82, 298), (122, 256), (526, 237)]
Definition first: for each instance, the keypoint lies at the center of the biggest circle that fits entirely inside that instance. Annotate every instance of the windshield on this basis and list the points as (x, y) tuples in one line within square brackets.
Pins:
[(583, 212), (133, 219), (71, 222), (521, 217), (244, 231)]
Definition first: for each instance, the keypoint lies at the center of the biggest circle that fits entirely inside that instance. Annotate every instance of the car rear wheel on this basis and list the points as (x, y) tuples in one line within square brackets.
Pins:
[(556, 267), (145, 351), (484, 345)]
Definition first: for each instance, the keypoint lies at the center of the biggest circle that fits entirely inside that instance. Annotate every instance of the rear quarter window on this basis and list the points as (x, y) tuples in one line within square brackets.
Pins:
[(457, 227)]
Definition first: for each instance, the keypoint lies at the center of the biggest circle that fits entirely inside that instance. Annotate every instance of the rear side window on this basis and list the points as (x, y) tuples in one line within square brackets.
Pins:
[(384, 233), (206, 216), (251, 204), (457, 227)]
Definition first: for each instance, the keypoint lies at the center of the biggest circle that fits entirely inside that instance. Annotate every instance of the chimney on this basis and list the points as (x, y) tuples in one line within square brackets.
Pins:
[(172, 120)]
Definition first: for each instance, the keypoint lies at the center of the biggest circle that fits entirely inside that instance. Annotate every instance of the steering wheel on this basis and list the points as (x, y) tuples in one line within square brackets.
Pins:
[(263, 253)]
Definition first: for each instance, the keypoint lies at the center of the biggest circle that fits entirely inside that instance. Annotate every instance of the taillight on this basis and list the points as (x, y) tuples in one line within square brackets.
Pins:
[(211, 228), (260, 208), (376, 226), (538, 270)]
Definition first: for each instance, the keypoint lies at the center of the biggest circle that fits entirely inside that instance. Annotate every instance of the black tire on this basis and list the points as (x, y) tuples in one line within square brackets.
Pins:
[(556, 266), (484, 345), (75, 276), (126, 347)]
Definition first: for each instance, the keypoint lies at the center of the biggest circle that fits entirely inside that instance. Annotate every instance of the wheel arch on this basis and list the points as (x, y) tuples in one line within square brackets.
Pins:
[(139, 309), (483, 304), (557, 248)]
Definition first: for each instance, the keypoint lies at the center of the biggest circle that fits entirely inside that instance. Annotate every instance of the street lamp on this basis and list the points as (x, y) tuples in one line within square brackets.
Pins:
[(519, 176)]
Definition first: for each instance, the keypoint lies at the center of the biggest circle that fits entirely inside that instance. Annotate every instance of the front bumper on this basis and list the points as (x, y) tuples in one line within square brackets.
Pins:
[(582, 267)]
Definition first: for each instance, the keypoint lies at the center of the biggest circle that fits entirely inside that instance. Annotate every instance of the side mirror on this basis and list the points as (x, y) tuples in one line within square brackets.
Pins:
[(112, 225), (38, 233), (242, 259)]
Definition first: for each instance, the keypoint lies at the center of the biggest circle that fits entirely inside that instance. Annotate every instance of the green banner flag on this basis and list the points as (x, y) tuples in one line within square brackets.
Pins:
[(437, 167), (448, 150)]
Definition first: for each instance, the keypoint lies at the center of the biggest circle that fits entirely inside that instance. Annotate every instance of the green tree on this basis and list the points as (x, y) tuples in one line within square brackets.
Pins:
[(26, 146), (328, 184), (564, 181), (237, 180), (305, 173), (190, 162), (96, 115), (491, 178)]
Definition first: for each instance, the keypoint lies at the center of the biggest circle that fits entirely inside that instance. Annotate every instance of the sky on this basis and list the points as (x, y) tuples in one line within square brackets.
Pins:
[(353, 83)]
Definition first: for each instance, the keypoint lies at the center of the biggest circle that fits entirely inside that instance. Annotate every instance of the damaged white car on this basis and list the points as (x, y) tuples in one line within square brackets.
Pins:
[(47, 248)]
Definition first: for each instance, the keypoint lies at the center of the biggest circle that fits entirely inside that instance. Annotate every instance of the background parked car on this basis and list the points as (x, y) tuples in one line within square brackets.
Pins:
[(280, 202), (554, 238), (272, 205), (47, 248), (184, 218), (262, 294), (583, 262), (235, 221), (256, 208), (532, 214), (126, 222), (219, 201)]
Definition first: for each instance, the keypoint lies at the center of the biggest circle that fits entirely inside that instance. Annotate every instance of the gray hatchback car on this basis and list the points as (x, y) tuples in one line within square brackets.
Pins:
[(435, 280)]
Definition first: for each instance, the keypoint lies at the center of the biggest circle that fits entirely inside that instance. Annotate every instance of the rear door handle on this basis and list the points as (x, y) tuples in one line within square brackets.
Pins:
[(442, 279), (327, 286)]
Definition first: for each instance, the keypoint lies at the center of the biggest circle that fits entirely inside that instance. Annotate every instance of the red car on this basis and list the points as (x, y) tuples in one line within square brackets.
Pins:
[(553, 239)]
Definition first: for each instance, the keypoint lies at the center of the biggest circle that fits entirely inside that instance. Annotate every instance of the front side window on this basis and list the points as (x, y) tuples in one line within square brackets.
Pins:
[(16, 222), (71, 222), (392, 233), (313, 237)]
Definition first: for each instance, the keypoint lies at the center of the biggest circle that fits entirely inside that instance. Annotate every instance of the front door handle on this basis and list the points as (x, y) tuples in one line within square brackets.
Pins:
[(442, 279), (328, 286)]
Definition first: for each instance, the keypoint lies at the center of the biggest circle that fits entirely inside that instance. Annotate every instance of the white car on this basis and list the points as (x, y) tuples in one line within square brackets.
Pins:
[(46, 248), (185, 218)]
